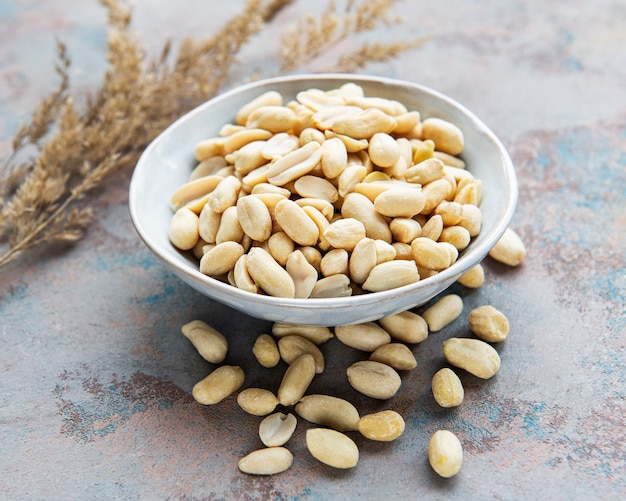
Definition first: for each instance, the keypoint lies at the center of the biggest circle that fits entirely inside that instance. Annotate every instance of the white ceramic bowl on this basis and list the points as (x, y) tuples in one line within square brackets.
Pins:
[(168, 160)]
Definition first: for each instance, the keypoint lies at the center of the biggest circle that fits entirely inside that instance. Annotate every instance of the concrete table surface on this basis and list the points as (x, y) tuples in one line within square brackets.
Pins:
[(96, 378)]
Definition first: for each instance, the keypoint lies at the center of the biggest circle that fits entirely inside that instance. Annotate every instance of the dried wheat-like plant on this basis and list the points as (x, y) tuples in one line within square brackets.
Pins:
[(65, 151)]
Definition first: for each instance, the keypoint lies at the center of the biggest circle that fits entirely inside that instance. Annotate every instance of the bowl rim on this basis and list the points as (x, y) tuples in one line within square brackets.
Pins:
[(190, 275)]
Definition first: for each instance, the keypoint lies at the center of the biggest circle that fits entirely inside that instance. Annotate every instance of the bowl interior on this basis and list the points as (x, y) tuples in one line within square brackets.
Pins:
[(169, 159)]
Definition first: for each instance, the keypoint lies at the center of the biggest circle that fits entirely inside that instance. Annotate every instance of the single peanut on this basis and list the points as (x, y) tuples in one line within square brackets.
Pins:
[(266, 351), (447, 388), (221, 383), (443, 312), (332, 447), (509, 249), (316, 333), (268, 274), (475, 356), (210, 343), (257, 401), (396, 355), (473, 278), (364, 336), (254, 218), (390, 275), (276, 429), (296, 380), (445, 453), (447, 136), (221, 258), (374, 379), (383, 426), (268, 461), (489, 324), (406, 326), (325, 410), (292, 346), (183, 229)]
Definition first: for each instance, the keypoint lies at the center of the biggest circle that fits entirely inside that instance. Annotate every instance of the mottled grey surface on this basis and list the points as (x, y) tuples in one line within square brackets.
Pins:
[(95, 389)]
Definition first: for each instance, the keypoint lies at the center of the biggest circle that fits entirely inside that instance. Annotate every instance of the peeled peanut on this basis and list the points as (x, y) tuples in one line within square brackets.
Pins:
[(443, 312), (405, 230), (292, 346), (333, 286), (396, 355), (316, 187), (489, 324), (510, 249), (209, 224), (268, 461), (183, 229), (383, 426), (388, 106), (230, 229), (296, 380), (400, 202), (210, 343), (429, 254), (473, 278), (193, 190), (273, 118), (362, 260), (445, 453), (279, 145), (221, 383), (352, 175), (334, 261), (334, 412), (374, 379), (266, 351), (221, 258), (276, 429), (294, 164), (316, 333), (248, 158), (447, 388), (432, 228), (447, 136), (254, 218), (296, 223), (257, 401), (390, 275), (425, 171), (471, 219), (383, 150), (406, 326), (269, 98), (225, 194), (385, 252), (334, 157), (475, 356), (458, 236), (303, 274), (332, 447), (345, 233), (280, 246), (361, 208), (268, 274), (208, 167), (241, 277), (364, 336), (365, 124)]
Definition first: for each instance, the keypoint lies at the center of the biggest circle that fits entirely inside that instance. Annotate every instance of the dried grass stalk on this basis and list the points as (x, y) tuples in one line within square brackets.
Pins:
[(44, 197)]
